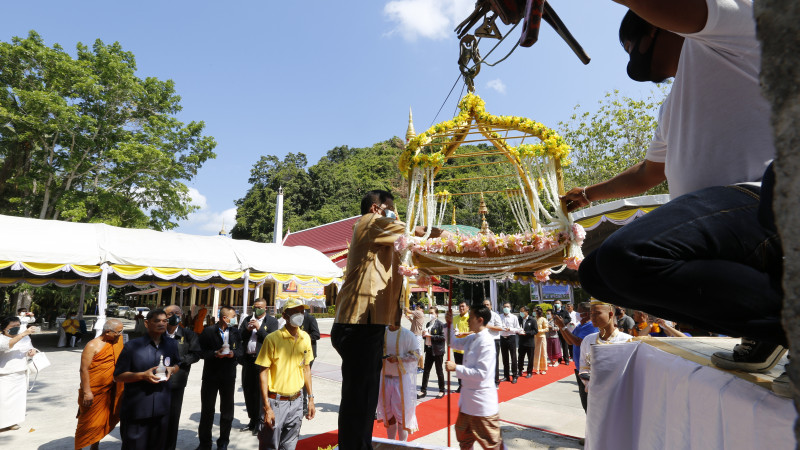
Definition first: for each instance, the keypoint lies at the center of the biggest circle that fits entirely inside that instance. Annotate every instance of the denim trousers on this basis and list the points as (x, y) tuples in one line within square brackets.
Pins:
[(703, 259)]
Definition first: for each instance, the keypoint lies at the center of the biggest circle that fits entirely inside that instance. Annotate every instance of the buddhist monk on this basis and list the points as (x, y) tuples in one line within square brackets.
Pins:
[(99, 395), (200, 321)]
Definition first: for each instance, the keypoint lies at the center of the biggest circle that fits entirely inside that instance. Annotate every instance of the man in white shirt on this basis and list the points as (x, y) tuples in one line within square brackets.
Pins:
[(495, 326), (478, 407), (710, 247), (254, 329), (509, 341)]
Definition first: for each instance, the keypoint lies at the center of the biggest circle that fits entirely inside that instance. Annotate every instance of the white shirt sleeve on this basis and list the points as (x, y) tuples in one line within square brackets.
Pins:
[(657, 151), (484, 349), (455, 342)]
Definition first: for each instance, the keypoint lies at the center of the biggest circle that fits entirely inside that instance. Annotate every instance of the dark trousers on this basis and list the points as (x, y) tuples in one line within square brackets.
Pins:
[(208, 404), (458, 358), (497, 361), (525, 352), (565, 349), (508, 346), (144, 434), (702, 259), (582, 391), (251, 388), (361, 348), (176, 402), (431, 360)]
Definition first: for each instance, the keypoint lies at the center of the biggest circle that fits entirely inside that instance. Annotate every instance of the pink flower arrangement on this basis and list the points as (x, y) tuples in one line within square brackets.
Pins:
[(573, 262), (492, 243), (578, 232), (408, 271), (542, 275)]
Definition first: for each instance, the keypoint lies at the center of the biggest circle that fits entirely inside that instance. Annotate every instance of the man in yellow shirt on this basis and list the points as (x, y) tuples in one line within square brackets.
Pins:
[(72, 328), (461, 324), (284, 359)]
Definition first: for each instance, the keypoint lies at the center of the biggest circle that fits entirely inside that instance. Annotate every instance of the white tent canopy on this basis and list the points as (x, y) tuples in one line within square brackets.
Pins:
[(46, 247)]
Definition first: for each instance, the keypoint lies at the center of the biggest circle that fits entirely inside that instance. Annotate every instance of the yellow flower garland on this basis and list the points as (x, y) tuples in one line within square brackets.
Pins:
[(552, 145)]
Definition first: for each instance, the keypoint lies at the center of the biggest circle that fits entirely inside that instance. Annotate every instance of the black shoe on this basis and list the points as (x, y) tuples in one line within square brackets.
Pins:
[(750, 356), (249, 427), (255, 431), (505, 379), (422, 394), (514, 380), (458, 391), (528, 375), (222, 446), (440, 394)]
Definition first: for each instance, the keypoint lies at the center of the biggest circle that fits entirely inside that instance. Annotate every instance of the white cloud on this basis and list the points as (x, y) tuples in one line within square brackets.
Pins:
[(205, 220), (427, 19), (498, 85), (197, 199)]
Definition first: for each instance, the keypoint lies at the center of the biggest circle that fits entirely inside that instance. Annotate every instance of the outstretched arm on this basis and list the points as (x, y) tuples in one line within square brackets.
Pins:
[(633, 181)]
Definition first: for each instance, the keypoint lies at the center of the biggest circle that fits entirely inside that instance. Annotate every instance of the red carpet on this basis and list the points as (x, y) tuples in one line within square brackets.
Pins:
[(432, 414)]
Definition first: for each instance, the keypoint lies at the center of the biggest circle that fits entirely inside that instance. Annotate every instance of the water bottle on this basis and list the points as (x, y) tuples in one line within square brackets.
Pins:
[(161, 370)]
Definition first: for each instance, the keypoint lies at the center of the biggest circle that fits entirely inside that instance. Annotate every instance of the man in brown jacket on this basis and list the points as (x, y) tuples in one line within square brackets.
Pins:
[(368, 301)]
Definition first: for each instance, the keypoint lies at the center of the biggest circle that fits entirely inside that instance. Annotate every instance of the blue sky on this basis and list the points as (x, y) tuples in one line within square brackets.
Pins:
[(276, 77)]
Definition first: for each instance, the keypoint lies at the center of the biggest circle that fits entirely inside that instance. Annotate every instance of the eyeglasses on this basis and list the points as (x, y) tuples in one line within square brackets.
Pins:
[(116, 333)]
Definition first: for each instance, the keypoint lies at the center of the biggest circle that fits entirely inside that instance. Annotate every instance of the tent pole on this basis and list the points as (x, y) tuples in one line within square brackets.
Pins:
[(449, 310), (245, 291), (215, 308), (81, 302), (102, 298)]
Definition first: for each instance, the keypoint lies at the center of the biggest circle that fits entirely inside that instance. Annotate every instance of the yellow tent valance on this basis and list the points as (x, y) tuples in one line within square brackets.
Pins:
[(129, 272)]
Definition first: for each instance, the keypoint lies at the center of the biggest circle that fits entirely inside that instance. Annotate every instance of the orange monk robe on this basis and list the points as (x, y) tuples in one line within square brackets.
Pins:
[(200, 321), (96, 421)]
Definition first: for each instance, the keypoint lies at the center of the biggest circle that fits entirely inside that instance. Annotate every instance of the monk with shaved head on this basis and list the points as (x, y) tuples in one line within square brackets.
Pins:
[(99, 395)]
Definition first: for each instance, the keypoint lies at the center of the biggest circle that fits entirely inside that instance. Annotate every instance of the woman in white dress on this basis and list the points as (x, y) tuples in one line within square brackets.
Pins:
[(15, 349)]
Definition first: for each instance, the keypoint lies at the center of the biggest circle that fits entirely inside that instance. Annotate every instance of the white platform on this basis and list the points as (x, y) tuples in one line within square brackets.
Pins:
[(663, 393)]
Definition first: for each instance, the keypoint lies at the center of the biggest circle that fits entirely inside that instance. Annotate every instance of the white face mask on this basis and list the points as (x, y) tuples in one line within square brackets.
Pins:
[(296, 319), (557, 306), (549, 316)]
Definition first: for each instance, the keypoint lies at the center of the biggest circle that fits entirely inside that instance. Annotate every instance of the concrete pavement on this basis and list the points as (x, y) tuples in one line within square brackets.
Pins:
[(52, 406)]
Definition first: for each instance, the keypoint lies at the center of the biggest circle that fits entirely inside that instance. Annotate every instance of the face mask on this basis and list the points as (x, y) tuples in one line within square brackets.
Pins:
[(296, 319), (13, 331), (640, 64), (506, 310), (523, 314), (390, 214), (549, 316), (174, 320), (258, 311), (557, 306), (431, 317), (233, 322)]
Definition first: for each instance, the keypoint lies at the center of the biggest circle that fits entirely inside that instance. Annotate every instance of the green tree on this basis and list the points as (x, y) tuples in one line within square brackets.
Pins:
[(85, 139), (607, 141)]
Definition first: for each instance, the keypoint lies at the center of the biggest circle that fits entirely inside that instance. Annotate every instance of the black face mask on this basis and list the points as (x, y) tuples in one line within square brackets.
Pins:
[(174, 320), (640, 64)]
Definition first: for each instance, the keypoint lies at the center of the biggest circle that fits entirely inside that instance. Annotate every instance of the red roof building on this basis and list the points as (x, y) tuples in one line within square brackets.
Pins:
[(332, 239)]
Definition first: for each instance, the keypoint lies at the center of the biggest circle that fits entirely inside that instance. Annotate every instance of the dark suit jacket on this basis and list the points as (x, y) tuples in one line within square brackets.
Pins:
[(437, 337), (311, 327), (189, 351), (530, 328), (220, 369), (142, 399), (268, 325)]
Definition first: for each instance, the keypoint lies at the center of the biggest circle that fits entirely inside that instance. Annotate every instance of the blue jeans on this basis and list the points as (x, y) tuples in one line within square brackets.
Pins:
[(703, 259)]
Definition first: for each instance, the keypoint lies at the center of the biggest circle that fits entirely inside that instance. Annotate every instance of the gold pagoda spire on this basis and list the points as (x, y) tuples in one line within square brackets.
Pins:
[(410, 133), (483, 210)]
